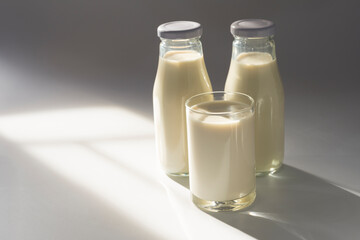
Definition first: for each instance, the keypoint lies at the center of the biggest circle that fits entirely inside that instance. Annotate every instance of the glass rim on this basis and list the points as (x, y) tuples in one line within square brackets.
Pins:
[(245, 109)]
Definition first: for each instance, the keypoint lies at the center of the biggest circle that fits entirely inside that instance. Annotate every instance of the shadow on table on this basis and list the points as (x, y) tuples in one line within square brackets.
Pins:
[(293, 204)]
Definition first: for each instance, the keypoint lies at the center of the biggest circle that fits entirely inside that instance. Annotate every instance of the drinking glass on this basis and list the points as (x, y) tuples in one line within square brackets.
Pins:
[(221, 148)]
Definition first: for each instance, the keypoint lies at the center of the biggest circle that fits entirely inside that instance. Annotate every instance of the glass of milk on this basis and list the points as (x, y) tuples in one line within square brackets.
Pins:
[(221, 147)]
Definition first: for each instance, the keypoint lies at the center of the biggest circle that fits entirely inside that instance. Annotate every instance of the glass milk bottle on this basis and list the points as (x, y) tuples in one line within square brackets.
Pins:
[(181, 74), (254, 71)]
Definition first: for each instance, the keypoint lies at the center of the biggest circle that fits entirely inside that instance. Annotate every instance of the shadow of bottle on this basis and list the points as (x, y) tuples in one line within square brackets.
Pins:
[(293, 204)]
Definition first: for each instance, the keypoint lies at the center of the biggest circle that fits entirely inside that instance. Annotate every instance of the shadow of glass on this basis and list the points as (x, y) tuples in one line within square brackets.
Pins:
[(293, 204), (184, 181)]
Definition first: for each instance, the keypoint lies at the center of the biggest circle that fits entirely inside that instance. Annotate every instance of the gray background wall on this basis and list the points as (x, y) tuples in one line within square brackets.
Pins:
[(110, 49), (113, 42)]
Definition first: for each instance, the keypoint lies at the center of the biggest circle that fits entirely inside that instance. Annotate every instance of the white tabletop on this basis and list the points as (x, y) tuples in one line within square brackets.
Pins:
[(75, 164)]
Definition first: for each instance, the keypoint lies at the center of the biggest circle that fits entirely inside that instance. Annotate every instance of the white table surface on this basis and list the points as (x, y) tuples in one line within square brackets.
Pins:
[(75, 164)]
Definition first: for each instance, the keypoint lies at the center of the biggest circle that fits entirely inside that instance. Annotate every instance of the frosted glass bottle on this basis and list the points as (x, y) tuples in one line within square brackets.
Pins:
[(181, 74), (254, 71)]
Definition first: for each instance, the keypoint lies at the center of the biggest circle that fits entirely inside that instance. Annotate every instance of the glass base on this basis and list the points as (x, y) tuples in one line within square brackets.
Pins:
[(270, 171), (230, 205)]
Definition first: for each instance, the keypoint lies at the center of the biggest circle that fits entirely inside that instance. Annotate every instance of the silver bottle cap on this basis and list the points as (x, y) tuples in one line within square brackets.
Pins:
[(252, 28), (179, 30)]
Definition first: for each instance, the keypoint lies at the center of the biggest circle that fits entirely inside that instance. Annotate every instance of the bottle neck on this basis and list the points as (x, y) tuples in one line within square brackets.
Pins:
[(253, 44), (191, 44)]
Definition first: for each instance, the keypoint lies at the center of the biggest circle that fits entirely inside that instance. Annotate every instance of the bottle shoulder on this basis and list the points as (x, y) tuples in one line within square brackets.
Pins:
[(261, 78), (182, 77)]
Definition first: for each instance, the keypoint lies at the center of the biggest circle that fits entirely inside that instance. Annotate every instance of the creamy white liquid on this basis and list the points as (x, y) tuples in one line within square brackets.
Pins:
[(221, 152), (180, 75), (256, 74)]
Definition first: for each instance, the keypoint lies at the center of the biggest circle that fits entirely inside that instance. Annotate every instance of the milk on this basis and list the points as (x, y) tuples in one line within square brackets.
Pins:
[(256, 74), (180, 75), (221, 152)]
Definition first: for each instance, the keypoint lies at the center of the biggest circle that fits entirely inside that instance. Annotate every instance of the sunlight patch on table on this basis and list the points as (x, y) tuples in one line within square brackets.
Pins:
[(92, 123)]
